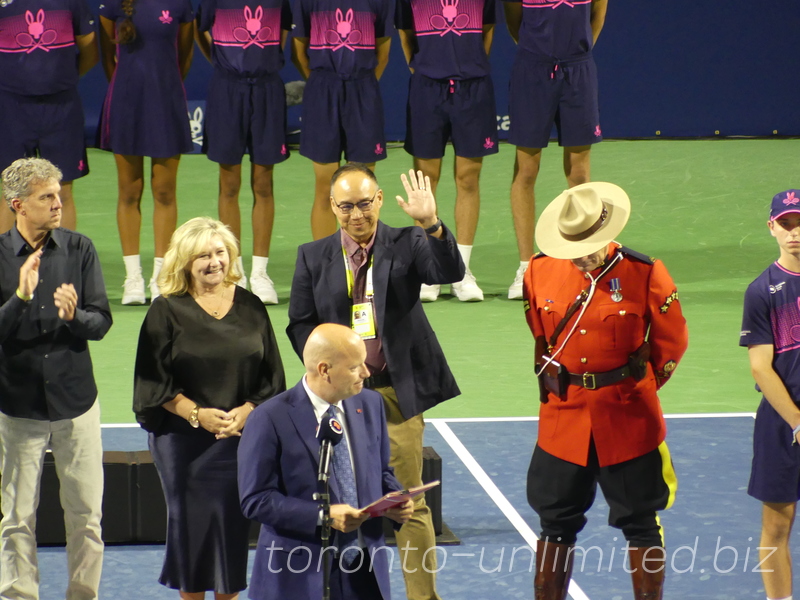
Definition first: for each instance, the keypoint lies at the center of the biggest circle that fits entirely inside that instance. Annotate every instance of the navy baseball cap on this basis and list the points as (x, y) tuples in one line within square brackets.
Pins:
[(784, 203)]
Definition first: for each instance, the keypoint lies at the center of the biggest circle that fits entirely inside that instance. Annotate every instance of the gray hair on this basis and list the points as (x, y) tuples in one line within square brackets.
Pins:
[(23, 174)]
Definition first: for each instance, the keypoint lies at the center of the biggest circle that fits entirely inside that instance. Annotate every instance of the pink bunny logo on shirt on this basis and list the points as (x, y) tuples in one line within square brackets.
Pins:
[(344, 36), (253, 33), (37, 36), (450, 19)]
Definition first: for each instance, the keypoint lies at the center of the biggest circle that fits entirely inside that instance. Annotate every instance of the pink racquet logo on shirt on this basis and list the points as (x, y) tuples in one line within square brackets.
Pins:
[(450, 19), (488, 144), (37, 36), (81, 165), (378, 149), (344, 36), (597, 131), (283, 149), (165, 18), (253, 33)]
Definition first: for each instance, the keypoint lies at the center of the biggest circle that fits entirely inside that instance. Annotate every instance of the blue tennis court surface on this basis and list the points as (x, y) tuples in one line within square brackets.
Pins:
[(712, 530)]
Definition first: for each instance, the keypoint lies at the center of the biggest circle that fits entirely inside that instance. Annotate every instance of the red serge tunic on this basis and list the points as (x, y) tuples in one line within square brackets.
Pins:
[(625, 419)]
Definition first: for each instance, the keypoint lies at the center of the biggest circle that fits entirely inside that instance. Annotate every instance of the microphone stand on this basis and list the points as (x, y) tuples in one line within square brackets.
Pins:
[(324, 498)]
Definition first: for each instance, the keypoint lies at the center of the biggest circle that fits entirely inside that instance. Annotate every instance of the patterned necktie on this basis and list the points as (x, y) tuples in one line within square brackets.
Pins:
[(343, 472)]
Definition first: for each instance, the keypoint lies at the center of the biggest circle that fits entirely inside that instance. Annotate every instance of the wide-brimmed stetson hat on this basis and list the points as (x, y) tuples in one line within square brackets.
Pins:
[(582, 220)]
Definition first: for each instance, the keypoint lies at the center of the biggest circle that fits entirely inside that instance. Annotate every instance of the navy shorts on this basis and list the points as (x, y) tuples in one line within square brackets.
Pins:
[(245, 115), (48, 126), (439, 110), (775, 472), (542, 94), (342, 116)]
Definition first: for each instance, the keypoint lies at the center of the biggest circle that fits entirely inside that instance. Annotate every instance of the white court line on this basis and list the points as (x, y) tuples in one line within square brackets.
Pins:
[(495, 494)]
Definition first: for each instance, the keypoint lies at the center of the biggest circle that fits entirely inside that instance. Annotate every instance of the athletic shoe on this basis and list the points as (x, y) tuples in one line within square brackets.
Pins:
[(429, 293), (154, 291), (261, 285), (515, 291), (467, 289), (242, 281), (133, 290)]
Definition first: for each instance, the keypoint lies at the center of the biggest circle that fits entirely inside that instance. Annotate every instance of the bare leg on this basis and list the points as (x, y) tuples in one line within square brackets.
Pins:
[(523, 207), (218, 596), (263, 208), (69, 216), (192, 596), (230, 182), (431, 167), (164, 181), (130, 182), (776, 568), (576, 164), (323, 221), (467, 173)]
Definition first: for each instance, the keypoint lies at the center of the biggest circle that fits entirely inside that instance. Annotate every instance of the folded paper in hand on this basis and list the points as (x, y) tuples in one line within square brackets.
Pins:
[(381, 505)]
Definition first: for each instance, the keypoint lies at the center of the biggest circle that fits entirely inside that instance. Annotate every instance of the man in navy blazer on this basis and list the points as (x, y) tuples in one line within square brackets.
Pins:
[(278, 463), (367, 276)]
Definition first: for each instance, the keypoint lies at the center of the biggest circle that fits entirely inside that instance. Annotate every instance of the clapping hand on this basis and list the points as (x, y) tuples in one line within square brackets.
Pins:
[(421, 205), (29, 273), (66, 301)]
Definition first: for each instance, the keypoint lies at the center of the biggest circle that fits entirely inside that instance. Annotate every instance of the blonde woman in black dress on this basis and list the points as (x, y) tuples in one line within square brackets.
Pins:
[(206, 357)]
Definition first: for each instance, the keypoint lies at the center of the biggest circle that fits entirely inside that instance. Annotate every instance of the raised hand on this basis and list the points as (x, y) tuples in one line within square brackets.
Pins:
[(421, 205)]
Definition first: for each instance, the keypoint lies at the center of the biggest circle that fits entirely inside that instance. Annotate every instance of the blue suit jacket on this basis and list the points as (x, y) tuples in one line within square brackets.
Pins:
[(404, 258), (278, 463)]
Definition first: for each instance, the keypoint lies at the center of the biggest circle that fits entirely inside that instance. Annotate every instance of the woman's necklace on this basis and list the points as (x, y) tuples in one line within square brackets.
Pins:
[(220, 302)]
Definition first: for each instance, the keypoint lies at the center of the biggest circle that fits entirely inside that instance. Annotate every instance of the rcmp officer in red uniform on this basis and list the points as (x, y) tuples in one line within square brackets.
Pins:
[(609, 333)]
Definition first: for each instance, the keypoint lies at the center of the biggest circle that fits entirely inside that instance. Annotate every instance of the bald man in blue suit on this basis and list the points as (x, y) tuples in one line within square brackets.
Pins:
[(278, 463)]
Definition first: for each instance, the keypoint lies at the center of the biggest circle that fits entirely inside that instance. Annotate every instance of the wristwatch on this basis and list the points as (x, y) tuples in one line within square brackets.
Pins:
[(434, 228), (193, 417)]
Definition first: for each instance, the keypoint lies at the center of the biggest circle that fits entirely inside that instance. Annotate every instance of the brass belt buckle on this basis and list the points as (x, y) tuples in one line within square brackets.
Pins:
[(588, 381)]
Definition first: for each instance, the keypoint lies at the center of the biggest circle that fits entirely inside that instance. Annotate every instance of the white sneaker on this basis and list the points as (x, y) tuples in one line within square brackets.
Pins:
[(261, 285), (467, 289), (154, 291), (515, 291), (429, 293), (133, 290), (242, 281)]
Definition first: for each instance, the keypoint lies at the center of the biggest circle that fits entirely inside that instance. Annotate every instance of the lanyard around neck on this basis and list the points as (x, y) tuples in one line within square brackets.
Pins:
[(368, 292)]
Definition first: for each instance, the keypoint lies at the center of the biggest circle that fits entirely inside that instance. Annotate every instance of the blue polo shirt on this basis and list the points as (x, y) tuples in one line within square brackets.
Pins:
[(556, 29), (342, 33), (246, 34), (449, 36), (37, 45), (772, 316)]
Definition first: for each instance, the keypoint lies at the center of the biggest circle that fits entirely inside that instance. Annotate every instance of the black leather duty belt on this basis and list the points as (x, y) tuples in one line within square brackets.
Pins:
[(593, 381), (378, 380)]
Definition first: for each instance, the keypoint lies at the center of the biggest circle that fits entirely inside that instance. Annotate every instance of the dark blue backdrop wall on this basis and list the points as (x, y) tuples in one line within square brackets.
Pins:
[(680, 68)]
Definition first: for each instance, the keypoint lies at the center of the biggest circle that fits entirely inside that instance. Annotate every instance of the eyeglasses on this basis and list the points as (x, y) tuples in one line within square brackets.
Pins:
[(363, 205)]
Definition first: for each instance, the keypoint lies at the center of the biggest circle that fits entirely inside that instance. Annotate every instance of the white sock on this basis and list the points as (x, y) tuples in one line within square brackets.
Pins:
[(787, 598), (466, 252), (157, 264), (259, 265), (240, 264), (524, 264), (133, 265)]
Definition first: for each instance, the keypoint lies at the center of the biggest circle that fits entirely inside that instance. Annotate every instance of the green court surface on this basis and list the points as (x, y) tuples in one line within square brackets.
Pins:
[(701, 206)]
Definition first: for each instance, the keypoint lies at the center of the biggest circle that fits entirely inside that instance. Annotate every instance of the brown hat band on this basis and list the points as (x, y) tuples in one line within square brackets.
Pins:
[(579, 237)]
